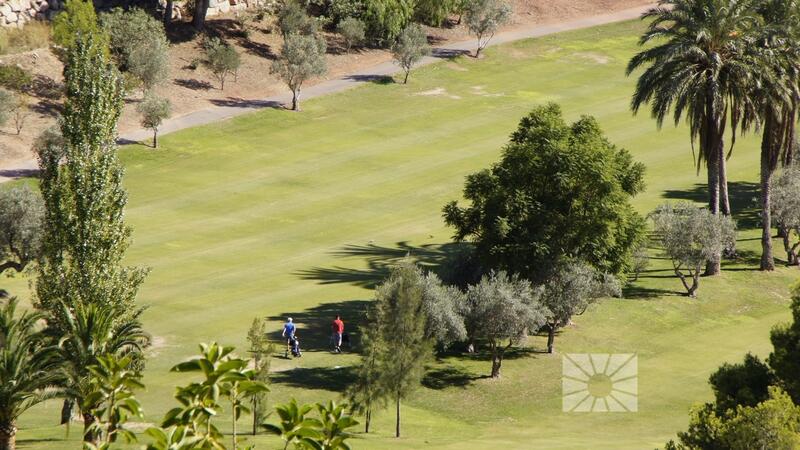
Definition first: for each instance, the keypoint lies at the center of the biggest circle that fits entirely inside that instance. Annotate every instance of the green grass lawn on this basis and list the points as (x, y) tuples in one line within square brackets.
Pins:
[(275, 214)]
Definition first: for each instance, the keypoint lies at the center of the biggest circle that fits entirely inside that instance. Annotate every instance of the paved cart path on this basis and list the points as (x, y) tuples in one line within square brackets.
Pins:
[(219, 113)]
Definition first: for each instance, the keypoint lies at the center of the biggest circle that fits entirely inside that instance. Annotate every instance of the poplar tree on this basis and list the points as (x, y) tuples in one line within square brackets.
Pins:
[(85, 236)]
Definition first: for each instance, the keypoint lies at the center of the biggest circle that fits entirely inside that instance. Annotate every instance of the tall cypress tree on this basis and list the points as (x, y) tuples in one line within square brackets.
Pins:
[(85, 236)]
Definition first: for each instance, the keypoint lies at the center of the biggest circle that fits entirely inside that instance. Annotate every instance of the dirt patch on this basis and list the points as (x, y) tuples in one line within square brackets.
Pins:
[(481, 90), (594, 57), (192, 88), (437, 92)]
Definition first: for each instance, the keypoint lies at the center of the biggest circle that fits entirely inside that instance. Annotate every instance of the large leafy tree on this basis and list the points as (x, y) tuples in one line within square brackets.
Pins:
[(21, 218), (85, 236), (559, 191), (501, 311), (28, 367), (697, 69)]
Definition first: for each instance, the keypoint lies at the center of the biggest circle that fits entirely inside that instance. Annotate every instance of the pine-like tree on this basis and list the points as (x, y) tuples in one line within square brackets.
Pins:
[(396, 335)]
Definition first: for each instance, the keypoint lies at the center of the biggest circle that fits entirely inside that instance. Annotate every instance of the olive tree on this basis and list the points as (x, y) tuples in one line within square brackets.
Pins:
[(786, 209), (139, 44), (221, 59), (484, 18), (409, 49), (569, 290), (502, 310), (353, 31), (692, 237), (292, 18), (302, 58), (21, 224), (153, 110)]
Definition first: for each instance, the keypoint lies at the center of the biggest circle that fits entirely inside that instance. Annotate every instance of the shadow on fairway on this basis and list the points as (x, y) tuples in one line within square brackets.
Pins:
[(439, 258), (324, 378), (742, 195), (314, 325), (449, 376)]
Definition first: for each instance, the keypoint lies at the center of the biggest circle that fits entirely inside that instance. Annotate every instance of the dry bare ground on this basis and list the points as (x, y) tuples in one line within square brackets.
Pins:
[(192, 88)]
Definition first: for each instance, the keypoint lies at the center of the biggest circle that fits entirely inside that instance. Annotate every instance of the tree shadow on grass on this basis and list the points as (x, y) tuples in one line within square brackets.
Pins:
[(335, 379), (369, 78), (449, 376), (314, 324), (743, 196), (438, 258)]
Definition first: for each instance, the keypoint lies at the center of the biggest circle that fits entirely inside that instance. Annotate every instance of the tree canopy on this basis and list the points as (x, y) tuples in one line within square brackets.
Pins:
[(559, 191)]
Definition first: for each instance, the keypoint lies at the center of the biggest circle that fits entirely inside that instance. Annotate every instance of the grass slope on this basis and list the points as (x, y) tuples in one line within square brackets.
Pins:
[(278, 214)]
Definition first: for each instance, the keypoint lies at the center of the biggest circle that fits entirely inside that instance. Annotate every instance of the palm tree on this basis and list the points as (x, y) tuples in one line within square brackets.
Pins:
[(27, 368), (775, 97), (94, 331), (695, 72)]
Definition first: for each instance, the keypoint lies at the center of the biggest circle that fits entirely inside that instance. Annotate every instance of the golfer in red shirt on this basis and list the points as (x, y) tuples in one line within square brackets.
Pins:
[(337, 327)]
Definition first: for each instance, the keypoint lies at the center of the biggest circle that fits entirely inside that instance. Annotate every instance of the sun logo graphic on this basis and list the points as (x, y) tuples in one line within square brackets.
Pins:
[(600, 382)]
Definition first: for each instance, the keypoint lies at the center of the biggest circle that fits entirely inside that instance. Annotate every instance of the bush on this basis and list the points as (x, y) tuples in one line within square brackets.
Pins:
[(77, 18), (31, 37), (292, 18), (15, 78), (7, 100), (138, 43), (341, 9), (222, 59), (434, 12), (386, 19), (353, 31)]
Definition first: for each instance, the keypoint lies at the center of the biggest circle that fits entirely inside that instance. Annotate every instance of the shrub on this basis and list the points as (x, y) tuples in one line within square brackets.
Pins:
[(342, 9), (7, 100), (434, 12), (222, 59), (292, 18), (139, 44), (386, 19), (77, 18), (353, 31), (15, 78)]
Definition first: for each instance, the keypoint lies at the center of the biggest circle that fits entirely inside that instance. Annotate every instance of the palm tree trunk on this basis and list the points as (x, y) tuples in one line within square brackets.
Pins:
[(8, 436), (713, 267), (724, 200), (767, 259)]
